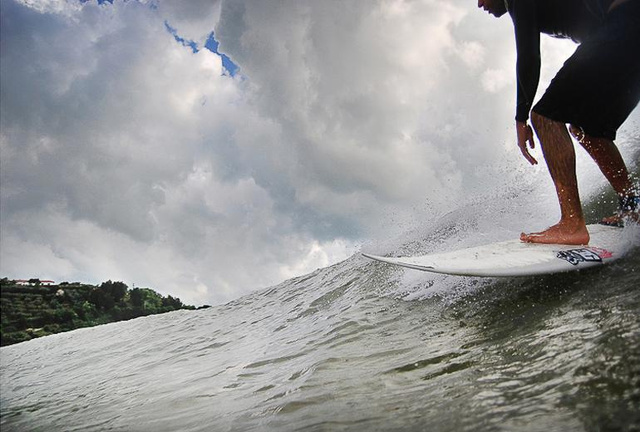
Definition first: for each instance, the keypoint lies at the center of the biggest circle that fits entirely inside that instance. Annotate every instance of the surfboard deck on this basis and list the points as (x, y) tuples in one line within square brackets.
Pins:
[(515, 258)]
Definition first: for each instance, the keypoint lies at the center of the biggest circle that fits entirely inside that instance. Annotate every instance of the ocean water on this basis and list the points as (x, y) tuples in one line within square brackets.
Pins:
[(358, 346)]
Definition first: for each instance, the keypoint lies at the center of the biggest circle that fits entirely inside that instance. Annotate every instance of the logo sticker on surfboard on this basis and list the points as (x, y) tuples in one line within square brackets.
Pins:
[(591, 254)]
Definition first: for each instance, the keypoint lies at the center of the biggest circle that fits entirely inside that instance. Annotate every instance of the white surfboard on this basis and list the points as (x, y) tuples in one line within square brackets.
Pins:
[(515, 258)]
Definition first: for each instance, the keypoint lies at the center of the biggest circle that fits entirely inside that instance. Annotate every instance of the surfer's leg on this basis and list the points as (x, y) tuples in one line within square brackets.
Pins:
[(605, 153), (559, 154), (607, 156)]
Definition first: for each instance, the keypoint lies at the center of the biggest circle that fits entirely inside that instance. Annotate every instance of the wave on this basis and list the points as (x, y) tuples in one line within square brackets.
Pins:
[(355, 346)]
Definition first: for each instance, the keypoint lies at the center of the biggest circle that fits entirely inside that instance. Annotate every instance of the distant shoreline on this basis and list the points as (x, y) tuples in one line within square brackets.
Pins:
[(32, 308)]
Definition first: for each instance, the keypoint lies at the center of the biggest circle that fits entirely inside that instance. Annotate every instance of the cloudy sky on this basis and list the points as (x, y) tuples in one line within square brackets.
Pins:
[(132, 150)]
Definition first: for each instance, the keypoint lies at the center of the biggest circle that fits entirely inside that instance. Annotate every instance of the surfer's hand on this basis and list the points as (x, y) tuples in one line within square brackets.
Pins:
[(525, 136)]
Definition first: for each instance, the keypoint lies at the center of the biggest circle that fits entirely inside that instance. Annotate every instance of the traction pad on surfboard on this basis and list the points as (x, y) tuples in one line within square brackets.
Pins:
[(586, 254)]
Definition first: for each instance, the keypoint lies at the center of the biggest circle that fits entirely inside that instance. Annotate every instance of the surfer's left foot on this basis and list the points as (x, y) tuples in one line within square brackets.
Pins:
[(619, 219), (561, 233), (629, 211)]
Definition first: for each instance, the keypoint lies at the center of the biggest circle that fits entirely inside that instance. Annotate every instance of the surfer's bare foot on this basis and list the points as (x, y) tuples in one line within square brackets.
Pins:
[(619, 219), (561, 233), (629, 211)]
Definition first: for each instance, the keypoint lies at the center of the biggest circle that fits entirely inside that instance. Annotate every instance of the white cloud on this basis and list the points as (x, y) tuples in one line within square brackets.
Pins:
[(495, 80), (193, 19), (472, 54), (62, 7)]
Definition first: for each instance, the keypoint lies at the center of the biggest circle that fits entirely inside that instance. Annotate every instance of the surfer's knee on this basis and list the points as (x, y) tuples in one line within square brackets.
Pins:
[(590, 143), (548, 131), (578, 133), (582, 138), (540, 123)]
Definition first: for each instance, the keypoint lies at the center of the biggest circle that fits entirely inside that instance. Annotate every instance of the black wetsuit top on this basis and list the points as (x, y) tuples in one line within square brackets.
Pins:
[(574, 19)]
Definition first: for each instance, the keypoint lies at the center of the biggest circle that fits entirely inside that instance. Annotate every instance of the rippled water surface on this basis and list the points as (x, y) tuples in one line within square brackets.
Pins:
[(356, 346)]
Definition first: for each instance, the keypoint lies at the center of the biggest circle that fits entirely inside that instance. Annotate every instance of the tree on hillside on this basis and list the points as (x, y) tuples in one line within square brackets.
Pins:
[(101, 299), (172, 302), (137, 298), (116, 290)]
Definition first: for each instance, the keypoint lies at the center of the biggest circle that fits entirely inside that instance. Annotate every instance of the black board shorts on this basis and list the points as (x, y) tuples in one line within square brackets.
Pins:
[(599, 85)]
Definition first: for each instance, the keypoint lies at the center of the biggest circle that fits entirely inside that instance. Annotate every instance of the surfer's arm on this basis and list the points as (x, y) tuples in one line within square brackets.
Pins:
[(523, 14), (527, 36)]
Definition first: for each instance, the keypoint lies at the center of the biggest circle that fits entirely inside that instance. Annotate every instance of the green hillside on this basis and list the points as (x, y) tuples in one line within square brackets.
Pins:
[(34, 310)]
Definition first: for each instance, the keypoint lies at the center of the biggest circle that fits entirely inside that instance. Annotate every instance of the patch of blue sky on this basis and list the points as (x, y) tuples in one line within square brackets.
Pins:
[(230, 68), (99, 1), (184, 42), (152, 4), (212, 45)]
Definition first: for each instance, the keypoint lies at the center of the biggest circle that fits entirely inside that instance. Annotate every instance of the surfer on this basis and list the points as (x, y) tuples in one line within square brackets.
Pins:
[(594, 92)]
